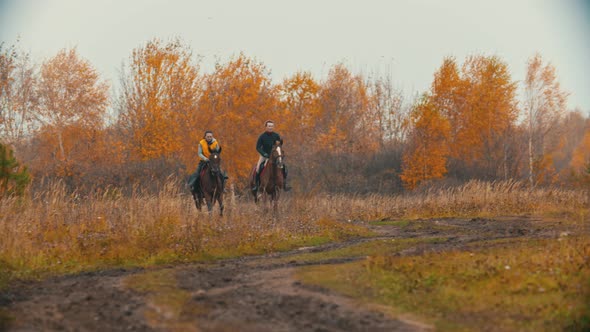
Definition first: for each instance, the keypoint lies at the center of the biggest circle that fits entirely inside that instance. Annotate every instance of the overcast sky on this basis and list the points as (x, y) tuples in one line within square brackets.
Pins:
[(406, 39)]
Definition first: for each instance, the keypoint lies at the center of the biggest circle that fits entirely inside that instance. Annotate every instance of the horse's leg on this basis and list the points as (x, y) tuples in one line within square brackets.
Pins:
[(275, 202), (220, 201), (197, 201), (264, 202), (251, 183), (209, 201), (201, 198), (257, 191), (198, 195)]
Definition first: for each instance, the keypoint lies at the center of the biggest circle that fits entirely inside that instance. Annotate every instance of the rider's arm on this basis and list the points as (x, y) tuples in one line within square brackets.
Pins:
[(259, 146), (218, 148), (201, 155)]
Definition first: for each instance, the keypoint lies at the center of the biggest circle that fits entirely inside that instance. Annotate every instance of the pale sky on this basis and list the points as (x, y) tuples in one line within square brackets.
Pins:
[(405, 39)]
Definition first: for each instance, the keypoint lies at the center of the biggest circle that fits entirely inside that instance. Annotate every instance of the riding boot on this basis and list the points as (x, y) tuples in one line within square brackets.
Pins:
[(256, 182), (192, 181), (197, 183)]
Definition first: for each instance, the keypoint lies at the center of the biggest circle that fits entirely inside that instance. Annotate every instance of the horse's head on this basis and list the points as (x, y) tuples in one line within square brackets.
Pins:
[(277, 155), (214, 162)]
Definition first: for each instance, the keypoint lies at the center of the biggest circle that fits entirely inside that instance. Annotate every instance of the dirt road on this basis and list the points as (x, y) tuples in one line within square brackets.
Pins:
[(249, 294)]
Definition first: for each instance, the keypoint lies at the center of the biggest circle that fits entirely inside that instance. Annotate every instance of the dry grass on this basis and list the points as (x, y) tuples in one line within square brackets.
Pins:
[(56, 232), (474, 199)]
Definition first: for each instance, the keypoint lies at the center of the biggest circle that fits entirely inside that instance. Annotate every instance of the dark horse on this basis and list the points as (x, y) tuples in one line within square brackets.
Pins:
[(211, 184), (271, 177)]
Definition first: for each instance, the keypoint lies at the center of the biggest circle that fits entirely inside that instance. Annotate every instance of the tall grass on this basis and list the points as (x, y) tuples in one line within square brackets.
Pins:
[(473, 199), (56, 231), (60, 232)]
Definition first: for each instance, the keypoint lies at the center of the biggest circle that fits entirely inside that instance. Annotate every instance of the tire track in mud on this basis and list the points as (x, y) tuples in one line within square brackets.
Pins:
[(257, 293)]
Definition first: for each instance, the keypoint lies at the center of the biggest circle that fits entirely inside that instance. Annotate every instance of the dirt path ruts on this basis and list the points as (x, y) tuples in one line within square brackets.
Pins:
[(248, 294)]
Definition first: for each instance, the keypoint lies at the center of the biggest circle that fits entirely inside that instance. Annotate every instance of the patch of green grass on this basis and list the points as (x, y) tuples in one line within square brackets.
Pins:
[(524, 285), (399, 223), (575, 217), (363, 249), (429, 225), (413, 225)]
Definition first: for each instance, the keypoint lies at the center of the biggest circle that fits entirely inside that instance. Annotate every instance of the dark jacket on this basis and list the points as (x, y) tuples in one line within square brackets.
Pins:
[(266, 142)]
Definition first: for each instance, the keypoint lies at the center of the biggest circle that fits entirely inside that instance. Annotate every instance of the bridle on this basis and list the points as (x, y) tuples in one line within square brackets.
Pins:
[(278, 161), (214, 170)]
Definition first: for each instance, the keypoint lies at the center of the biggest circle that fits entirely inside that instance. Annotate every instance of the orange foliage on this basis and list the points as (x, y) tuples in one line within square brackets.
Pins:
[(479, 102), (72, 102), (158, 105), (466, 122), (426, 156), (237, 99), (300, 101), (347, 121), (581, 157), (490, 107), (85, 150)]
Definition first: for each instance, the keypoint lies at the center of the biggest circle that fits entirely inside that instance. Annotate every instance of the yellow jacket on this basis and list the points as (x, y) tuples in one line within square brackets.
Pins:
[(204, 148)]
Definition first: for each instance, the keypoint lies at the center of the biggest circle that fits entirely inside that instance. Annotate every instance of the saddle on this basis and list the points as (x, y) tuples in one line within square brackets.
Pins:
[(203, 171), (260, 170)]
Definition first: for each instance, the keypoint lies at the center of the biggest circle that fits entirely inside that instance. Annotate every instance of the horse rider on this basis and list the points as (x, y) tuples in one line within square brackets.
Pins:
[(264, 145), (206, 145)]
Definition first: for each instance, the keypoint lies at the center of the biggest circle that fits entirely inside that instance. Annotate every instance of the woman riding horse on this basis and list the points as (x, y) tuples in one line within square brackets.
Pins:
[(211, 184), (207, 147)]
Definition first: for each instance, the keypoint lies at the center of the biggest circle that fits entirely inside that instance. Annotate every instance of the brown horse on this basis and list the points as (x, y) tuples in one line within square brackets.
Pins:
[(211, 184), (271, 177)]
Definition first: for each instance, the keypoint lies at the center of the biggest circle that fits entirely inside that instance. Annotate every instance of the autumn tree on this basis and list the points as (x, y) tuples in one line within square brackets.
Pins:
[(387, 104), (492, 112), (348, 122), (158, 103), (479, 102), (300, 119), (568, 135), (581, 154), (72, 97), (238, 97), (391, 127), (580, 163), (18, 98), (299, 97), (544, 105), (8, 57), (427, 153), (449, 97)]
